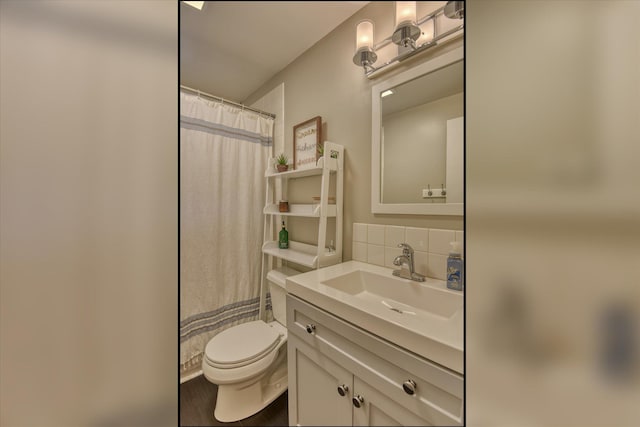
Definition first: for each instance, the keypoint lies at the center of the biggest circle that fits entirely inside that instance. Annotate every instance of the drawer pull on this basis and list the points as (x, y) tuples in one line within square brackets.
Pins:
[(409, 386), (311, 328), (343, 389), (358, 401)]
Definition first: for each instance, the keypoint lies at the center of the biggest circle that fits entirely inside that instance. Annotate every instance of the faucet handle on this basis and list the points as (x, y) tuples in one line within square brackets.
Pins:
[(406, 249)]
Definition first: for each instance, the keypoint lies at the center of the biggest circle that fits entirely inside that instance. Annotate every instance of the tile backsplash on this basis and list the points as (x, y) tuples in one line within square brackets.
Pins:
[(378, 244)]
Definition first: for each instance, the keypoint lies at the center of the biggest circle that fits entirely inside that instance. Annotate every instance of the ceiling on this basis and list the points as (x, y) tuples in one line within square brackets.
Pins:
[(231, 48)]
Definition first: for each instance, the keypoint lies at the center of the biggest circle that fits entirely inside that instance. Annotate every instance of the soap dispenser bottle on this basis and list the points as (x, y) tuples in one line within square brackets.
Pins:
[(455, 268), (283, 238)]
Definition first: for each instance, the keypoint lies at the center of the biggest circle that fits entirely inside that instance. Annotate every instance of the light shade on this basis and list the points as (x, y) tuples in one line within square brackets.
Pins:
[(405, 12), (364, 35)]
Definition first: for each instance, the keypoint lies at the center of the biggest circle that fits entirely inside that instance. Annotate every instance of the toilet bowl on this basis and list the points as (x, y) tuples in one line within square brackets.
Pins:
[(248, 362)]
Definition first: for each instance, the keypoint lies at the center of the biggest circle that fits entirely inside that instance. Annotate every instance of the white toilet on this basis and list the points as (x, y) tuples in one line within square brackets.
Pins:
[(248, 362)]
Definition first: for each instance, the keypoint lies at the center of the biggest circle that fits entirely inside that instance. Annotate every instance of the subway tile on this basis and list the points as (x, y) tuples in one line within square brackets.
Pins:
[(359, 252), (359, 232), (437, 266), (417, 238), (421, 262), (375, 234), (375, 255), (393, 235), (440, 241)]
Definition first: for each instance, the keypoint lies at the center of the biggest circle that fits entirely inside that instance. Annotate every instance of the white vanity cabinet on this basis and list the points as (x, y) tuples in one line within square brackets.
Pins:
[(339, 374), (315, 395)]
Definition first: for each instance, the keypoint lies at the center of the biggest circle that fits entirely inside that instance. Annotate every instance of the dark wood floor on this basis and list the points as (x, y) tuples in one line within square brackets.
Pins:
[(197, 400)]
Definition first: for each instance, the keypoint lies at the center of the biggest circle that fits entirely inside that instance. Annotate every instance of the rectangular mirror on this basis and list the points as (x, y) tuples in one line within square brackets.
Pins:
[(418, 139)]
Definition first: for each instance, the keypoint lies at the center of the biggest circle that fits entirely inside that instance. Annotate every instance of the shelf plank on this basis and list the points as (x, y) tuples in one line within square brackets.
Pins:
[(299, 253), (294, 173), (302, 210), (298, 173)]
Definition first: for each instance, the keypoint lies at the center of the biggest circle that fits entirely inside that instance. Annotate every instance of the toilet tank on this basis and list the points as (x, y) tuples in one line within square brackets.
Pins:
[(276, 279), (278, 301)]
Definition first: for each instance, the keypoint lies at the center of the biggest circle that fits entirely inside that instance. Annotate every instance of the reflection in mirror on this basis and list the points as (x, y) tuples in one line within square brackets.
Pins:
[(418, 139), (414, 137)]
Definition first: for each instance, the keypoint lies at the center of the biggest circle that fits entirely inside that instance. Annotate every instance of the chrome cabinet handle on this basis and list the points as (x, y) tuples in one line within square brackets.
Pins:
[(311, 328), (409, 386), (358, 401), (343, 389)]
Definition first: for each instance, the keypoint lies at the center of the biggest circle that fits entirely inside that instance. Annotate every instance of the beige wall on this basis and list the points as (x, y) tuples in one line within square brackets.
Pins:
[(324, 82)]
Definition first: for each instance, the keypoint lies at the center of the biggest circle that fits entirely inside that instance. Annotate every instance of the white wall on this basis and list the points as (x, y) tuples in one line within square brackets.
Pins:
[(273, 102)]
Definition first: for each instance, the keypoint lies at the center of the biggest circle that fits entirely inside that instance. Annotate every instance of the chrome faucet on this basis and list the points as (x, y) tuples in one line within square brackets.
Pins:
[(406, 259)]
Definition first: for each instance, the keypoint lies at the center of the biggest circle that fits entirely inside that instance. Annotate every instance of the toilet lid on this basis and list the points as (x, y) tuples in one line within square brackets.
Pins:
[(242, 344)]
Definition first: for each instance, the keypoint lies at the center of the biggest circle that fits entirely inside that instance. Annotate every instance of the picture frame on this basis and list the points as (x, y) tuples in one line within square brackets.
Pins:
[(306, 140)]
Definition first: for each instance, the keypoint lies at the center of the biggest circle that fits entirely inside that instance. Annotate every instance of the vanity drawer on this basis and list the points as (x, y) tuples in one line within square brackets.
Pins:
[(437, 392)]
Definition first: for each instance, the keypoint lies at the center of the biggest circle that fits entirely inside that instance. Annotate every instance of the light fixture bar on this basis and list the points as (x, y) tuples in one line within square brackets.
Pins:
[(433, 15), (371, 70)]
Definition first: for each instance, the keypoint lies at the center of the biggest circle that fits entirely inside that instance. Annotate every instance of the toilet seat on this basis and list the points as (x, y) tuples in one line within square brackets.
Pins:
[(241, 345)]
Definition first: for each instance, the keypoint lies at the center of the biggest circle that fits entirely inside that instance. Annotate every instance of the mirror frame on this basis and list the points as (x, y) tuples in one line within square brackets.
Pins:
[(376, 116)]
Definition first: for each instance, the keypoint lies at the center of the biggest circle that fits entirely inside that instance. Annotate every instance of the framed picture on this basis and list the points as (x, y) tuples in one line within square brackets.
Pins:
[(306, 139)]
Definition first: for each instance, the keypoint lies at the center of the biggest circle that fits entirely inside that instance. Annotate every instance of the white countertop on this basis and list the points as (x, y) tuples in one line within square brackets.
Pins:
[(425, 332)]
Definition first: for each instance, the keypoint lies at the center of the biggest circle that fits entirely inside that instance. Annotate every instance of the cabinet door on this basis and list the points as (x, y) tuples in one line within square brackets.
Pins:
[(376, 409), (313, 388)]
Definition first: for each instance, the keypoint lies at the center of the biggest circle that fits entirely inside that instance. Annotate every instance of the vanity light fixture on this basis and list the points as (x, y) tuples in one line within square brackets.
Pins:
[(411, 35)]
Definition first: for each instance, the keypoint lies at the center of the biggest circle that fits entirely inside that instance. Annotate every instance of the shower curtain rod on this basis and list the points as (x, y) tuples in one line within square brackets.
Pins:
[(217, 98)]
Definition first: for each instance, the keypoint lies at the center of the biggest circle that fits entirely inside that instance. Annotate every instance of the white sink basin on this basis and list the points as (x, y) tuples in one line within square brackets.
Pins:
[(423, 317), (403, 295)]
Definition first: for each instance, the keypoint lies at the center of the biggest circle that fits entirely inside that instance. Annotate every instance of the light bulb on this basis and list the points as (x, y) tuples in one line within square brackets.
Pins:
[(364, 35), (405, 12)]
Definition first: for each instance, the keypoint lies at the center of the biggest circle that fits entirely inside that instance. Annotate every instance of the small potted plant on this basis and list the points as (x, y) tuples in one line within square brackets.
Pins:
[(282, 163)]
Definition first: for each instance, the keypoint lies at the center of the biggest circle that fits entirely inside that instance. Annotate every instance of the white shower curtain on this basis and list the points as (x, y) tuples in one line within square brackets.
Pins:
[(223, 155)]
